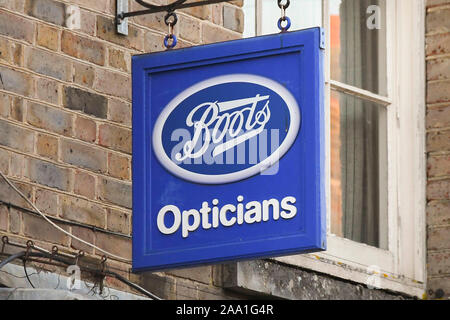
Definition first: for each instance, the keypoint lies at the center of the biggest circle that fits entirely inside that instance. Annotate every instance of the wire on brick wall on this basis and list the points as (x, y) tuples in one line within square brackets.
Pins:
[(58, 227)]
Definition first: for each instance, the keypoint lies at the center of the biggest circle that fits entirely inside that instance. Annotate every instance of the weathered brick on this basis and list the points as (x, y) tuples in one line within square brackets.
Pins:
[(48, 37), (439, 263), (17, 109), (47, 90), (119, 166), (118, 221), (438, 166), (83, 74), (5, 104), (47, 10), (438, 238), (83, 48), (85, 129), (49, 64), (80, 210), (49, 118), (4, 217), (49, 174), (119, 59), (15, 220), (114, 137), (233, 18), (438, 190), (435, 3), (102, 6), (87, 102), (84, 234), (200, 274), (16, 27), (16, 137), (202, 12), (115, 244), (89, 22), (83, 156), (438, 213), (438, 141), (217, 13), (115, 192), (17, 165), (37, 228), (438, 69), (15, 81), (437, 21), (189, 29), (212, 33), (120, 112), (113, 83), (9, 195), (438, 44), (84, 184), (47, 146), (106, 30), (438, 118), (154, 42), (4, 161), (17, 5), (438, 92), (11, 52), (47, 201)]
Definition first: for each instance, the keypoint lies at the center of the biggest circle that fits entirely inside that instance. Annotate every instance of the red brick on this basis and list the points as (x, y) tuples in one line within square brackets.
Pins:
[(438, 213)]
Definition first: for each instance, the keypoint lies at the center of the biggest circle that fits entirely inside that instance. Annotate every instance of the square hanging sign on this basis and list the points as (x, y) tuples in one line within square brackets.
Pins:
[(228, 151)]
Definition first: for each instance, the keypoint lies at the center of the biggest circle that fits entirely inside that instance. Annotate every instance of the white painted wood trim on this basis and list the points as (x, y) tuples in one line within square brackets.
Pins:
[(360, 93)]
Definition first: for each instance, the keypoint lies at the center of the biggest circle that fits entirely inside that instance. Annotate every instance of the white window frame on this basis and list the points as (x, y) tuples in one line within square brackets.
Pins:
[(401, 268)]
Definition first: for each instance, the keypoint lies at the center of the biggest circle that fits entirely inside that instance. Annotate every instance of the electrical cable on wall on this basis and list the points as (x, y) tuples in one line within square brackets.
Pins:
[(58, 227)]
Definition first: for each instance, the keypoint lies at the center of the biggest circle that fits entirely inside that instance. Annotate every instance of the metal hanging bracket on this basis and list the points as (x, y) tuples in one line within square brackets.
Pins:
[(122, 10)]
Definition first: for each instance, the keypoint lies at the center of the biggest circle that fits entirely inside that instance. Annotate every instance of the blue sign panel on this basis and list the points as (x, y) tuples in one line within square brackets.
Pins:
[(228, 151)]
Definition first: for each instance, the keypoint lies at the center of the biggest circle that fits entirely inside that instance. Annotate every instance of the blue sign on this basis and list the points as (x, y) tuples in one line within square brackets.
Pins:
[(228, 151)]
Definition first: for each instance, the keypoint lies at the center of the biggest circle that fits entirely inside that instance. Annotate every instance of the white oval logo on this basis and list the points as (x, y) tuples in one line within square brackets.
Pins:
[(226, 129)]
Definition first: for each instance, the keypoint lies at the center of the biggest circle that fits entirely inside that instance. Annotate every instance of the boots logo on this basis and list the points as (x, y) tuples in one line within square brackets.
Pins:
[(226, 129)]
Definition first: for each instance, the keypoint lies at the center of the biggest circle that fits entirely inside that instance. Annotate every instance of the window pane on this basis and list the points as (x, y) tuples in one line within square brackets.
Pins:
[(303, 14), (358, 43), (249, 9), (358, 164)]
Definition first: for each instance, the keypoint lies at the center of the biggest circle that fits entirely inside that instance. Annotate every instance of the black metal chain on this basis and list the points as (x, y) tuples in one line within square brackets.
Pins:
[(170, 19), (284, 18)]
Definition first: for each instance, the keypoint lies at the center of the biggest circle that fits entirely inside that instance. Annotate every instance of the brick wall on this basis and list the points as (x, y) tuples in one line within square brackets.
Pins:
[(65, 124), (438, 147)]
